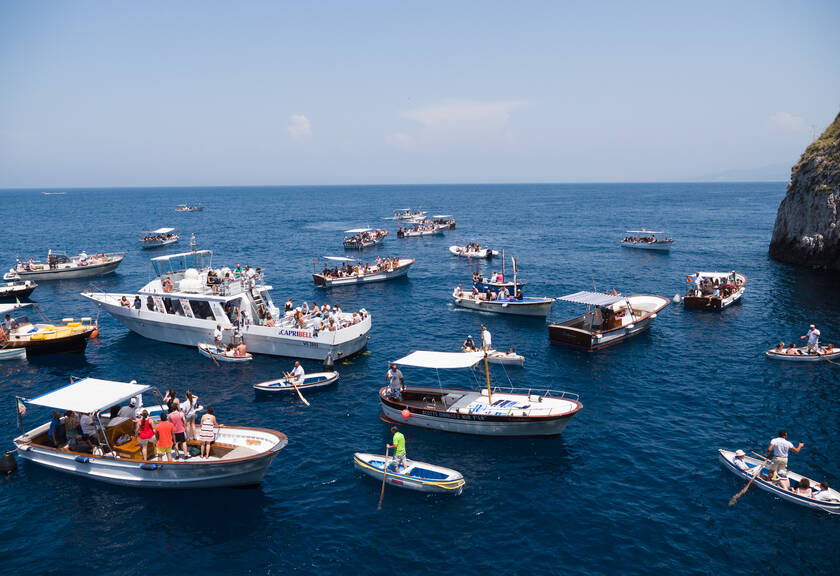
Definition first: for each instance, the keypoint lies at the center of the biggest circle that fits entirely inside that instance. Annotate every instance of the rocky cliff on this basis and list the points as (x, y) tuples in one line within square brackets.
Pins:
[(807, 230)]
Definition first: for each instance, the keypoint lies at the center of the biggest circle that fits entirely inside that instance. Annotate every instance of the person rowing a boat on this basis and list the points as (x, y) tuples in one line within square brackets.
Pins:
[(297, 373), (469, 345), (399, 445), (813, 337), (779, 448)]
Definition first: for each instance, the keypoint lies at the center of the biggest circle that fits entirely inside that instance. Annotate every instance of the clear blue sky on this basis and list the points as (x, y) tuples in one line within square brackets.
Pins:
[(226, 93)]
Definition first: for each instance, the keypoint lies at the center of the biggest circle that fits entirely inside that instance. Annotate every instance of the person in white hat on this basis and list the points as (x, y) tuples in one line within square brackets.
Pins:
[(740, 462), (813, 337)]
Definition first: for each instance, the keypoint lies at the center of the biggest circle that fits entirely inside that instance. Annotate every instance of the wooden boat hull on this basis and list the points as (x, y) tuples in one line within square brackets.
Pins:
[(380, 276), (12, 354), (209, 351), (418, 476), (11, 292), (67, 273), (310, 382), (574, 332), (727, 457), (804, 357), (714, 304), (536, 307), (73, 343), (192, 473), (474, 424), (657, 246)]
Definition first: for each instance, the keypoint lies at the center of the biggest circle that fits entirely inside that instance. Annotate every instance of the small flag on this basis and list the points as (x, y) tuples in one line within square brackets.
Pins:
[(514, 264), (614, 292), (21, 407)]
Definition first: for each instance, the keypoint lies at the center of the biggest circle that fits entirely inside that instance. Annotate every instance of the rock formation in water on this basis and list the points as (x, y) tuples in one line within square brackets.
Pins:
[(807, 230)]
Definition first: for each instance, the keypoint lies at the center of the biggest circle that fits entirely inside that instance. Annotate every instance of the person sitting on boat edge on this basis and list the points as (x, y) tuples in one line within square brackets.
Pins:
[(399, 445), (740, 462), (125, 303), (804, 488), (396, 382), (779, 448), (827, 349), (813, 336), (824, 494), (793, 351), (780, 348), (469, 345)]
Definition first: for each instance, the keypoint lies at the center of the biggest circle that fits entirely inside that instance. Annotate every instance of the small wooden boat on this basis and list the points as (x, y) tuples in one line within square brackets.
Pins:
[(503, 358), (801, 354), (609, 319), (42, 338), (12, 354), (713, 290), (647, 240), (222, 355), (445, 219), (239, 456), (189, 208), (472, 251), (11, 291), (525, 306), (361, 238), (416, 475), (338, 271), (409, 214), (830, 504), (310, 381), (60, 266), (421, 229), (160, 237)]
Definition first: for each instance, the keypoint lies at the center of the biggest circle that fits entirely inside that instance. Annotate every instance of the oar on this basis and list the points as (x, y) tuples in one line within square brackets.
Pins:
[(384, 476), (743, 491), (291, 381), (213, 357)]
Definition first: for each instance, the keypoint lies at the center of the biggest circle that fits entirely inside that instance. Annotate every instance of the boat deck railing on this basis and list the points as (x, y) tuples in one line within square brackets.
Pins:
[(542, 392)]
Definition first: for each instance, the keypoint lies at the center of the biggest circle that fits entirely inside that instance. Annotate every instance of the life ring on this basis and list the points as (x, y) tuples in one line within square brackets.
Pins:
[(168, 286)]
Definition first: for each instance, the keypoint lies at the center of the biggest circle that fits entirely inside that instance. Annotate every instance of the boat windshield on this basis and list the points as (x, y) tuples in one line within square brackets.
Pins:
[(175, 263)]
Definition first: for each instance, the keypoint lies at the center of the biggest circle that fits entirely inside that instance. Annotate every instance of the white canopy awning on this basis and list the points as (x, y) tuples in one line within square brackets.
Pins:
[(594, 298), (162, 231), (441, 216), (443, 360), (715, 274), (6, 308), (89, 395), (644, 232), (338, 259), (357, 230)]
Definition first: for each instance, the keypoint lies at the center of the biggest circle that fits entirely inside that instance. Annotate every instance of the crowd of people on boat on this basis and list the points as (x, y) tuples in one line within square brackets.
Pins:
[(365, 238), (319, 318), (700, 287), (159, 237), (53, 260), (488, 295), (646, 239), (347, 269), (812, 346), (473, 248), (419, 228)]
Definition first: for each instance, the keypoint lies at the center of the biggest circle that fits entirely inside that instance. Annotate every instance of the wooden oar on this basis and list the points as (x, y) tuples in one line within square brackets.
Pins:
[(384, 476), (291, 381), (213, 357), (743, 491)]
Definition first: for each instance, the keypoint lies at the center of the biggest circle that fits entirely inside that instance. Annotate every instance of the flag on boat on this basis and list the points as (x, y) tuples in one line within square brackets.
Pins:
[(21, 407)]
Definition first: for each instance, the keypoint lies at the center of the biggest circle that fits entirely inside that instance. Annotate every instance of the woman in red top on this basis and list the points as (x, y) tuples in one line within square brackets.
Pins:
[(145, 432)]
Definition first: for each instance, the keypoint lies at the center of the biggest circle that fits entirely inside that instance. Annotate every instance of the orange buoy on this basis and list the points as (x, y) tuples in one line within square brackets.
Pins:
[(406, 413), (95, 333)]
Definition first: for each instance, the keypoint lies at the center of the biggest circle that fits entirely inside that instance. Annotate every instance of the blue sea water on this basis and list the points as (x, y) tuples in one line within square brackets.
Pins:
[(632, 486)]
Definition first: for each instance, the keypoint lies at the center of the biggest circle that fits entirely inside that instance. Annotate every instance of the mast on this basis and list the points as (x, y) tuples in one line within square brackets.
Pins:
[(515, 284), (503, 266), (486, 368)]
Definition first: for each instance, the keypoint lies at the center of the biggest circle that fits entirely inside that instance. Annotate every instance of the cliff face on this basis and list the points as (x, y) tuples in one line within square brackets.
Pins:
[(807, 230)]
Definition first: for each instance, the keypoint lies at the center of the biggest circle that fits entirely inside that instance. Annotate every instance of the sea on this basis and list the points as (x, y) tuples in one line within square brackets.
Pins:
[(634, 484)]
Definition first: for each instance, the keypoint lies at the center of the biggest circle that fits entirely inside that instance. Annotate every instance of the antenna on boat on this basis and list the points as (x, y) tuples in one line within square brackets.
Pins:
[(486, 367)]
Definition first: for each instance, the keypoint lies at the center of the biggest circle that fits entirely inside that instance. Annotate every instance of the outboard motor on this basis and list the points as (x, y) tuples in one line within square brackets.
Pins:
[(328, 363), (8, 464)]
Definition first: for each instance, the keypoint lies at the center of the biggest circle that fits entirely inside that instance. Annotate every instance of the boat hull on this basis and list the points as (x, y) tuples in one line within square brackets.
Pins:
[(321, 280), (259, 339), (213, 352), (482, 254), (12, 354), (68, 273), (473, 424), (310, 382), (372, 465), (148, 245), (74, 343), (715, 304), (522, 307), (833, 356), (657, 246), (13, 293)]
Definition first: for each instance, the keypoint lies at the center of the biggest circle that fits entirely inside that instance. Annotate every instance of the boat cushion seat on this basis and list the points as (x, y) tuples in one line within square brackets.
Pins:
[(239, 452)]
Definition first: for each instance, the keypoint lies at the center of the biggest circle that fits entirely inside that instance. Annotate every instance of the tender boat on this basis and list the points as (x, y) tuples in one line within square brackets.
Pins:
[(361, 238), (498, 411), (12, 354), (189, 208), (12, 291), (830, 505), (60, 266), (159, 237), (44, 338), (421, 229), (647, 240), (445, 219), (473, 251), (222, 355), (310, 381), (240, 456), (523, 306), (504, 358), (180, 307), (713, 290), (409, 214), (829, 352), (416, 475), (609, 319), (338, 271)]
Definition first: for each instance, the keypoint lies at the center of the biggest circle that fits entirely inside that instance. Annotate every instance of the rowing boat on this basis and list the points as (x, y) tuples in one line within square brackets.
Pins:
[(314, 380), (831, 504), (531, 306), (12, 354), (504, 358), (222, 355), (470, 252), (802, 355), (416, 475)]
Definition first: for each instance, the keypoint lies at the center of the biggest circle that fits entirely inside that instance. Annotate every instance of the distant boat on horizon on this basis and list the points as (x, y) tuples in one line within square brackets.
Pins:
[(53, 193)]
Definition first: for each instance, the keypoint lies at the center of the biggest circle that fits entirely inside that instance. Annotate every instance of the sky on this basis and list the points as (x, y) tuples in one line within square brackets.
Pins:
[(212, 93)]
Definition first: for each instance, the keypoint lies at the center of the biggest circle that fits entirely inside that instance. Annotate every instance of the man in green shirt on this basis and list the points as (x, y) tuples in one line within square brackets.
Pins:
[(399, 444)]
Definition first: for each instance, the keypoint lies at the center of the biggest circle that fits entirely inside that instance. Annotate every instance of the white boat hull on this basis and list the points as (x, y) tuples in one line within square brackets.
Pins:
[(373, 465), (658, 246), (833, 356), (517, 308), (480, 254), (310, 382), (272, 341), (212, 352), (66, 273), (147, 244), (12, 354), (381, 276)]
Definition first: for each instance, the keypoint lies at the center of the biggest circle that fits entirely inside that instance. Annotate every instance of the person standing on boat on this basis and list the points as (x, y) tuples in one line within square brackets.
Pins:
[(486, 339), (813, 337), (399, 446), (779, 448), (217, 336), (396, 382)]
